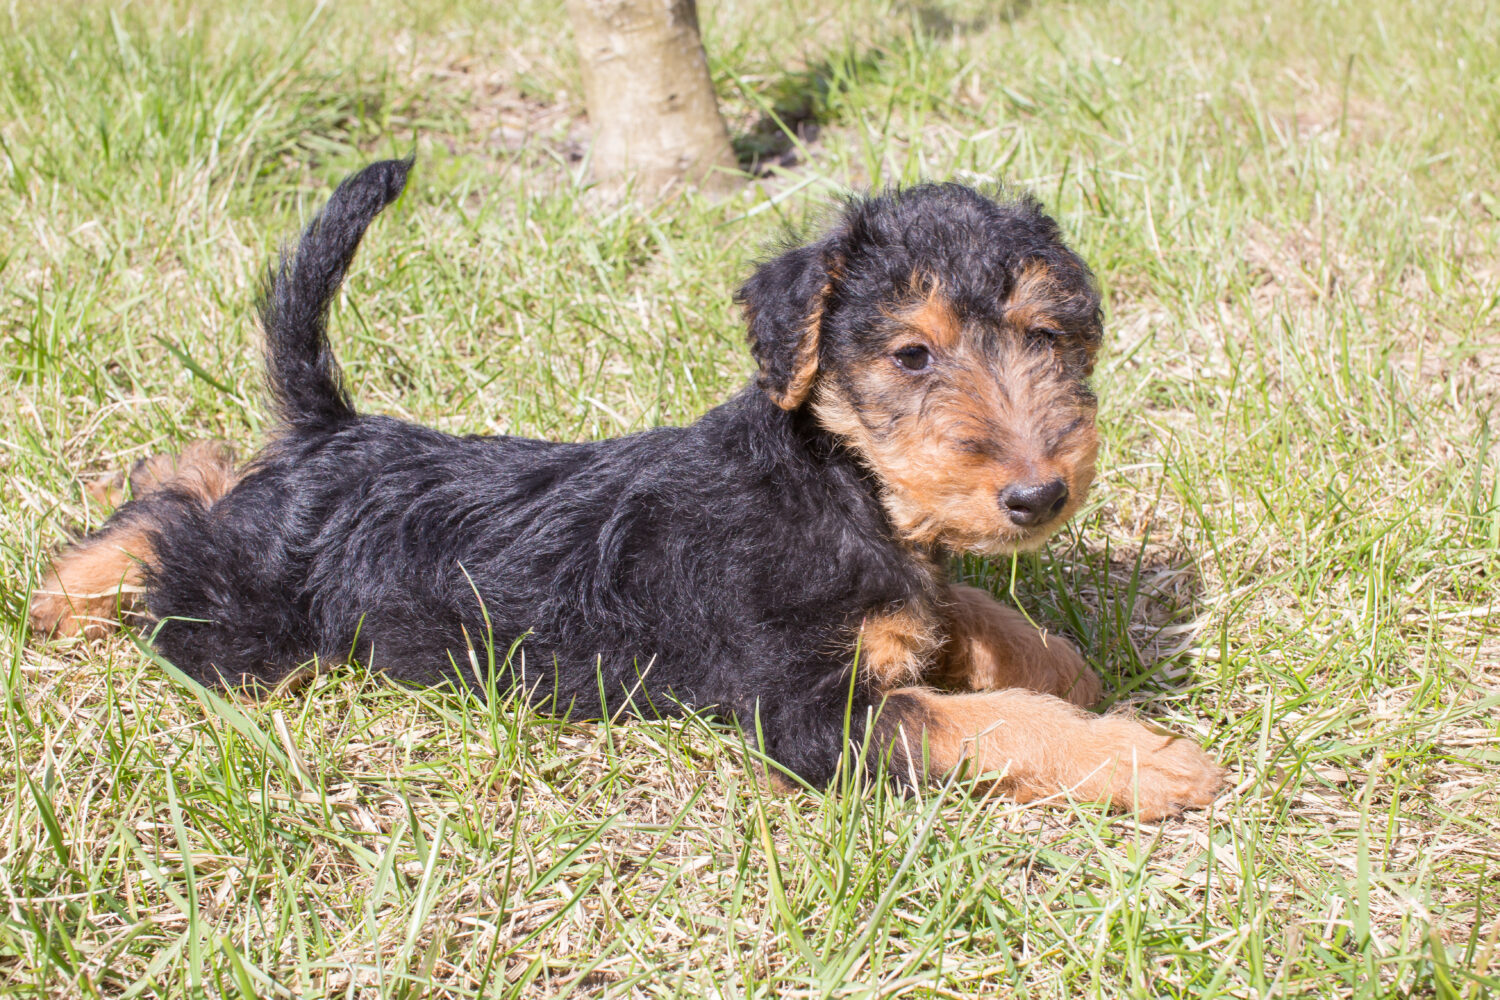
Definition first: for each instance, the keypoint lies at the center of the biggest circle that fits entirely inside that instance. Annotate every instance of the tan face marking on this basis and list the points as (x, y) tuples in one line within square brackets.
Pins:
[(932, 320), (1031, 301), (997, 407)]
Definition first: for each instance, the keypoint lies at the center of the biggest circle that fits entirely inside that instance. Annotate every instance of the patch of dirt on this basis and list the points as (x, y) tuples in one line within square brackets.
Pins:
[(502, 117)]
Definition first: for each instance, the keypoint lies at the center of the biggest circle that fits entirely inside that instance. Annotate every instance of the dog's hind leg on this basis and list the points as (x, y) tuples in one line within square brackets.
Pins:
[(91, 583)]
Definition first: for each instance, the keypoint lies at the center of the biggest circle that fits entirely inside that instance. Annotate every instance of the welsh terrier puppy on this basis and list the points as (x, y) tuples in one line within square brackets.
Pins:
[(922, 391)]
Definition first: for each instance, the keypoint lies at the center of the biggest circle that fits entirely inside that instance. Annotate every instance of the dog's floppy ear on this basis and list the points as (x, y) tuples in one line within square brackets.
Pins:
[(784, 302)]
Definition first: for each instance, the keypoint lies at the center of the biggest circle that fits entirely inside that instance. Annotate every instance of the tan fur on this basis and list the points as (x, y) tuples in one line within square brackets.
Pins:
[(772, 780), (1036, 746), (107, 491), (204, 469), (90, 583), (998, 416), (991, 647), (938, 493), (1031, 300), (805, 367), (897, 648), (934, 319)]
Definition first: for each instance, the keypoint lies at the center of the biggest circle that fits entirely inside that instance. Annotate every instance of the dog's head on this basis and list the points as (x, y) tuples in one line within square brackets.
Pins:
[(947, 339)]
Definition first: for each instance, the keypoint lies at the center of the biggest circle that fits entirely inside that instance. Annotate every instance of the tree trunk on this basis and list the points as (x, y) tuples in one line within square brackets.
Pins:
[(650, 100)]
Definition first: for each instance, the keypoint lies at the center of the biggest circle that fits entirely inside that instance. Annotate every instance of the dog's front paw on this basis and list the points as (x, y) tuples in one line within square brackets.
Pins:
[(1158, 774), (1076, 681)]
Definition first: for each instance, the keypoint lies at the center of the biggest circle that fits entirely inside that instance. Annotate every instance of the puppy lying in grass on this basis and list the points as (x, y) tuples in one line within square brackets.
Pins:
[(922, 391)]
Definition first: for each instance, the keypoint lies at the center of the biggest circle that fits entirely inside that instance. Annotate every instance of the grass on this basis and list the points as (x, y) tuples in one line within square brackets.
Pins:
[(1292, 552)]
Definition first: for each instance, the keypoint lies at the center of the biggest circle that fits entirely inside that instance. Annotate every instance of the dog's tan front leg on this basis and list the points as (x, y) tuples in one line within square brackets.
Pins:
[(992, 647), (1038, 746)]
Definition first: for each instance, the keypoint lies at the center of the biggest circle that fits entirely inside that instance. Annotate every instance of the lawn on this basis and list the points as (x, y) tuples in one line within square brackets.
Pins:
[(1292, 551)]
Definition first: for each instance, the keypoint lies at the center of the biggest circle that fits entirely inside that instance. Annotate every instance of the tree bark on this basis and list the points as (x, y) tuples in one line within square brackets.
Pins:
[(651, 103)]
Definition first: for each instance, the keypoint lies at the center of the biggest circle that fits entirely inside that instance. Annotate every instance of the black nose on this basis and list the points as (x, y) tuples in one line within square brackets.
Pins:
[(1034, 503)]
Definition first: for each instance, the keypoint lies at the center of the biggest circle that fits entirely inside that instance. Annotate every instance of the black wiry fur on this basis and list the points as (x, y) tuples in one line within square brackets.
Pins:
[(303, 376), (717, 566)]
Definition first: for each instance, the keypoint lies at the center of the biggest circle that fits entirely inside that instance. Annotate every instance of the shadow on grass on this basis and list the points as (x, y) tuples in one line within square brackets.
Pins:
[(794, 108), (1135, 614), (935, 20)]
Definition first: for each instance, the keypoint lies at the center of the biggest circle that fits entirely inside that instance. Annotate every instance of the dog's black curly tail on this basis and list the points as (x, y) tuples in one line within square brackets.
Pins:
[(303, 376)]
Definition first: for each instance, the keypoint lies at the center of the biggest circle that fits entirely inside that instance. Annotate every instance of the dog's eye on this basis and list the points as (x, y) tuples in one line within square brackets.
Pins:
[(915, 358), (1047, 332)]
